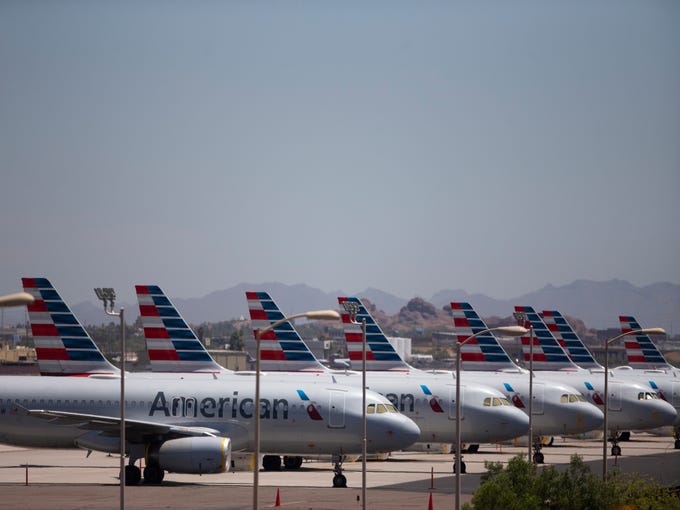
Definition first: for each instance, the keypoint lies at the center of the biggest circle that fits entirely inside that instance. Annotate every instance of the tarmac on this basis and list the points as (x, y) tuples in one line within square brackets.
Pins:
[(69, 479)]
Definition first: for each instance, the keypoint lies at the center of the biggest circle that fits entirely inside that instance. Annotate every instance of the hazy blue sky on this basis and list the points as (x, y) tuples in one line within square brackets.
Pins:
[(492, 146)]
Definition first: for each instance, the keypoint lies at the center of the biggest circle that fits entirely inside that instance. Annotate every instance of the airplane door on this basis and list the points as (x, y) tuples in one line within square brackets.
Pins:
[(539, 397), (614, 400), (336, 405), (452, 402)]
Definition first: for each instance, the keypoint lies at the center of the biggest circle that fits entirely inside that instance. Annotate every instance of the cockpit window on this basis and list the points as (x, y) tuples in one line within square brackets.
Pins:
[(380, 408), (495, 401), (647, 395), (572, 397)]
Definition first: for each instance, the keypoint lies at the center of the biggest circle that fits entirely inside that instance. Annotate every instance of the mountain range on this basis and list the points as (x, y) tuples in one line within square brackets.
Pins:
[(597, 304)]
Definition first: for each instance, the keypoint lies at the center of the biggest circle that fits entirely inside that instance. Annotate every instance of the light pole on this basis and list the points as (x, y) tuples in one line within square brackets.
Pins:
[(324, 315), (18, 299), (605, 425), (352, 308), (108, 297), (521, 319), (504, 330)]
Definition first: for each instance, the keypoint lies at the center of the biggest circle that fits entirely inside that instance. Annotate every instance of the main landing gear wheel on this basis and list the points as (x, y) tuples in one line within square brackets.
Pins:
[(339, 480), (292, 462), (153, 474), (271, 463), (133, 475), (676, 435)]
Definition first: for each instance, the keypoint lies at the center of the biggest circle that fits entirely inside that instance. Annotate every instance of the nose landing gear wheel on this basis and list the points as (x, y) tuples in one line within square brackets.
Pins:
[(538, 457), (616, 450), (462, 465), (339, 480)]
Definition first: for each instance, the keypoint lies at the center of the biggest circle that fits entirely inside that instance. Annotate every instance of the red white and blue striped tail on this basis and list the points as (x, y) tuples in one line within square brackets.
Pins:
[(548, 353), (641, 351), (569, 340), (170, 342), (281, 348), (380, 353), (62, 345), (482, 352)]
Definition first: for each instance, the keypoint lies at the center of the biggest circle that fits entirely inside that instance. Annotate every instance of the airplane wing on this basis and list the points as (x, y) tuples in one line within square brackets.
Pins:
[(135, 430)]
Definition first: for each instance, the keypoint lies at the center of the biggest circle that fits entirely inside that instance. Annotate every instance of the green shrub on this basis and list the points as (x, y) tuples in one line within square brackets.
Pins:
[(524, 486)]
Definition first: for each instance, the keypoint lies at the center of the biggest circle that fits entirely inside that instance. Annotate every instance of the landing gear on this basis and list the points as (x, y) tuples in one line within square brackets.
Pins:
[(462, 464), (339, 480), (133, 475), (153, 474), (676, 435), (292, 462), (538, 456), (616, 449), (271, 463)]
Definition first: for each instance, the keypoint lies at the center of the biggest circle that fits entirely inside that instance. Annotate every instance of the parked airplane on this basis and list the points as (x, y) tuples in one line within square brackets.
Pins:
[(191, 426), (647, 365), (179, 422), (557, 408), (631, 405)]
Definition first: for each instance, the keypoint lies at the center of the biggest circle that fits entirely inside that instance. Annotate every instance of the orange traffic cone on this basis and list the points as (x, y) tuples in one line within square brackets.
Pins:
[(429, 505), (278, 498)]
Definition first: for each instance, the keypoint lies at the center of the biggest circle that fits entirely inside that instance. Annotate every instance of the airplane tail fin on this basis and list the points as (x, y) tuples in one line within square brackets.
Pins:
[(170, 342), (482, 352), (380, 353), (640, 349), (569, 340), (62, 345), (548, 353), (280, 348)]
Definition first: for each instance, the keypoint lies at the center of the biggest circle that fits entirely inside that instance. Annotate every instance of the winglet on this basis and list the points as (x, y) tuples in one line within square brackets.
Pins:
[(62, 345)]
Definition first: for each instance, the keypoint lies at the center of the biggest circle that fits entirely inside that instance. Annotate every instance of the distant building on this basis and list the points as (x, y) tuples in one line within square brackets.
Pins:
[(18, 355)]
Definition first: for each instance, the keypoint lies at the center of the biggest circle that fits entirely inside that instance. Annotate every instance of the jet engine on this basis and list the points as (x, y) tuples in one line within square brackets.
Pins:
[(193, 455)]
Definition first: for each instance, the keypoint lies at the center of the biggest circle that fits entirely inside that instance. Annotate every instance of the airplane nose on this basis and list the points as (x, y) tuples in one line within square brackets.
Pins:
[(588, 418), (664, 413), (518, 423), (399, 433), (513, 423)]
